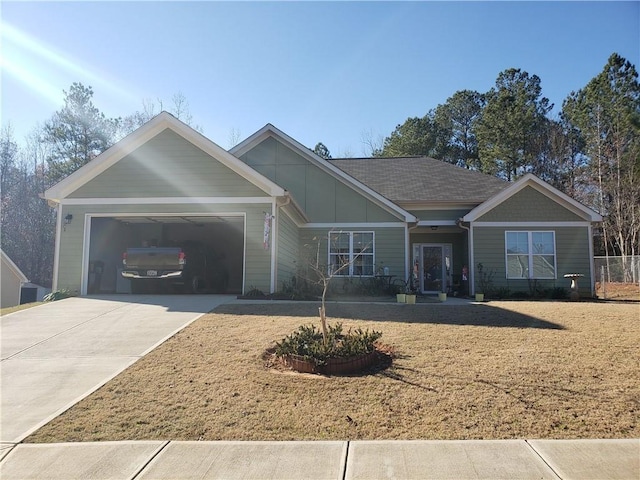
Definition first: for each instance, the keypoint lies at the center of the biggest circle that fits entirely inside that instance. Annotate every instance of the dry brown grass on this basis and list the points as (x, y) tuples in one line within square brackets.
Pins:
[(618, 291), (492, 371)]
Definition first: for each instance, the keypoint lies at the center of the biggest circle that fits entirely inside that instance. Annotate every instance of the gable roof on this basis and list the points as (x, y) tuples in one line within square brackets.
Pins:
[(149, 130), (327, 166), (532, 181), (421, 179), (13, 267)]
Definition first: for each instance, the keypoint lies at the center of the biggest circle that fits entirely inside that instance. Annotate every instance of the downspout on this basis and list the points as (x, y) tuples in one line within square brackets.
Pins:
[(56, 253), (472, 283), (275, 238)]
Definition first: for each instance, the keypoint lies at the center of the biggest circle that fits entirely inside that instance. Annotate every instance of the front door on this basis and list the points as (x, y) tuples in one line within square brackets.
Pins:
[(434, 267)]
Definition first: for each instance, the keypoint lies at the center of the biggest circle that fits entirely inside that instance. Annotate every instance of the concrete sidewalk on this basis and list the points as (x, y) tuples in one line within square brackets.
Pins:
[(340, 460)]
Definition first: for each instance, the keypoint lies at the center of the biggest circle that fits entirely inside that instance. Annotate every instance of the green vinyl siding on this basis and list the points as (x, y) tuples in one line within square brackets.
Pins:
[(529, 205), (167, 166), (389, 247), (288, 249), (257, 260), (572, 256), (323, 197)]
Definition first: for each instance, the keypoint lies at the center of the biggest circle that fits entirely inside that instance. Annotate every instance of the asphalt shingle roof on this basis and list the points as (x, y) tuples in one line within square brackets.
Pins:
[(421, 179)]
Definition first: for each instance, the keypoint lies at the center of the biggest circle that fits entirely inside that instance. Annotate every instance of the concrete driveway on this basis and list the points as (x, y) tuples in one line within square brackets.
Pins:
[(55, 354)]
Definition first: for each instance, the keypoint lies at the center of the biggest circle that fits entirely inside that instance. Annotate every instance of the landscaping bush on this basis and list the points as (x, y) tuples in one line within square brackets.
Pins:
[(57, 295), (308, 343)]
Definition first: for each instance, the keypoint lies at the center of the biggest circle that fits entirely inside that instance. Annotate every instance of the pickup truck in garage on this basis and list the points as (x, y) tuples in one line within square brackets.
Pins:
[(191, 267)]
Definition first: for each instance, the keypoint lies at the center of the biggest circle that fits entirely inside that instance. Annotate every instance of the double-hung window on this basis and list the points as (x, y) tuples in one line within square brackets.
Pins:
[(351, 253), (531, 254)]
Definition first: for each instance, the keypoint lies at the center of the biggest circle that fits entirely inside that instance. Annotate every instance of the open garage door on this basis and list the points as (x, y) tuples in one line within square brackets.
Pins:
[(216, 241)]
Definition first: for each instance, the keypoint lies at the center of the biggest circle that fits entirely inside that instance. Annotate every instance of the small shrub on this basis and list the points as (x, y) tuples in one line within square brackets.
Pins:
[(556, 293), (502, 292), (307, 342), (57, 295), (255, 293)]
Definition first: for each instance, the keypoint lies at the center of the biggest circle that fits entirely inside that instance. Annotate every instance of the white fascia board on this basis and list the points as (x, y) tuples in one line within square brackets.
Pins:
[(142, 135), (355, 225), (531, 180), (436, 206), (271, 131), (437, 223), (164, 214), (532, 224), (165, 200)]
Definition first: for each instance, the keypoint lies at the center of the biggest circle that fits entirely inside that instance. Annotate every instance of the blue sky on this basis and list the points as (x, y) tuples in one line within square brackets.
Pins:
[(319, 71)]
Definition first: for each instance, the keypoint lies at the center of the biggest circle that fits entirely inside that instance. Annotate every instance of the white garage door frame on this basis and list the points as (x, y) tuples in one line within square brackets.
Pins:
[(86, 244)]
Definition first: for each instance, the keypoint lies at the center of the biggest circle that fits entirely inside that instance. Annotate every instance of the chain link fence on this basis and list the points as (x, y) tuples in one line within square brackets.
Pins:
[(615, 273)]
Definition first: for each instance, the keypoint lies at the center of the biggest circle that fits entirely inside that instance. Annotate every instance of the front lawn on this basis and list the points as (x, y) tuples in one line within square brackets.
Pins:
[(492, 371)]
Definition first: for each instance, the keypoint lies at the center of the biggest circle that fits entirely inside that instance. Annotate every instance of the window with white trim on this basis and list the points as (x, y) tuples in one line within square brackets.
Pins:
[(351, 254), (530, 254)]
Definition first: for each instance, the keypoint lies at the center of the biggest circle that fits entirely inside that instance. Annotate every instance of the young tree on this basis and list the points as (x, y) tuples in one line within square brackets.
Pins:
[(514, 115)]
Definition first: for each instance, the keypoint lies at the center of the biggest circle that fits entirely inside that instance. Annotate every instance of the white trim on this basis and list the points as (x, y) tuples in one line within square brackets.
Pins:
[(352, 255), (56, 252), (274, 237), (244, 254), (165, 200), (472, 268), (592, 264), (86, 250), (437, 223), (407, 252), (161, 214), (530, 255), (532, 224), (355, 225), (270, 131), (542, 187), (428, 206), (149, 130)]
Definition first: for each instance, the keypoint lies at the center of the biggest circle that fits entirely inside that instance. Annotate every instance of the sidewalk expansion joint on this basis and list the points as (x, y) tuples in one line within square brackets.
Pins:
[(542, 458), (155, 454), (345, 460)]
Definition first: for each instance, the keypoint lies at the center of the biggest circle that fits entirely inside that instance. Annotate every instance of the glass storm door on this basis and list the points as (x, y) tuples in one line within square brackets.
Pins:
[(434, 267)]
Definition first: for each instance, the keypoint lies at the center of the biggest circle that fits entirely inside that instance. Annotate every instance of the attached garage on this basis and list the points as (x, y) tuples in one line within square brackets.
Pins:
[(217, 242), (166, 185)]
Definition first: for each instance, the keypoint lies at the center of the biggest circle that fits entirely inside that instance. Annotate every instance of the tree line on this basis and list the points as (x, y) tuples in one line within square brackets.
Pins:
[(590, 151)]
